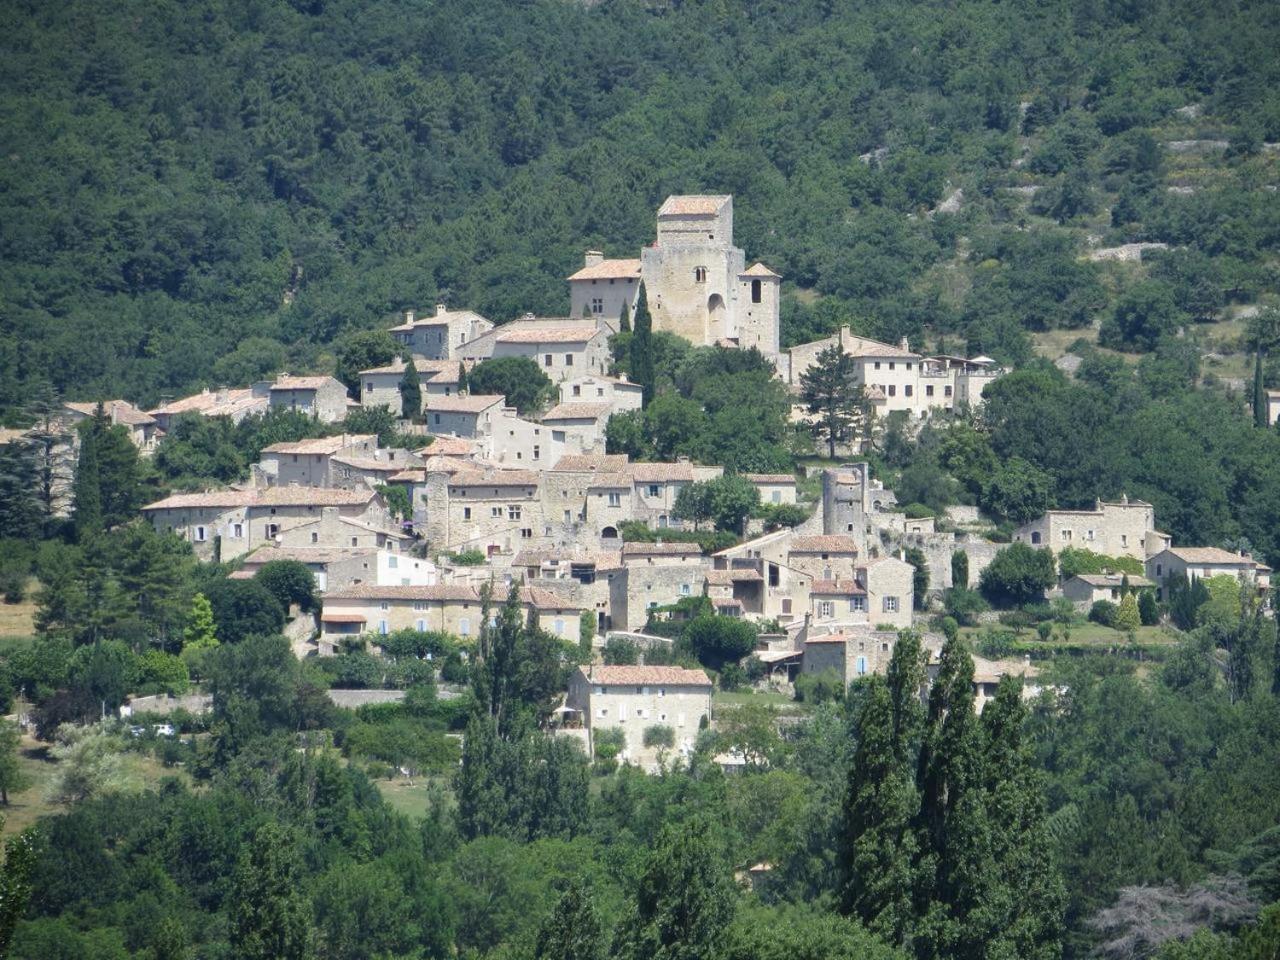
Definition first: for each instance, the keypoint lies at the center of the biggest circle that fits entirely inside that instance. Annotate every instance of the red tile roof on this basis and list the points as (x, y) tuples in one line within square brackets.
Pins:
[(823, 544), (698, 205), (577, 410), (631, 676), (609, 270), (472, 403), (548, 334)]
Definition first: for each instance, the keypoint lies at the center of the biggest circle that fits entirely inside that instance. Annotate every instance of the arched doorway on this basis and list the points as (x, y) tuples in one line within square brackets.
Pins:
[(716, 318), (609, 533)]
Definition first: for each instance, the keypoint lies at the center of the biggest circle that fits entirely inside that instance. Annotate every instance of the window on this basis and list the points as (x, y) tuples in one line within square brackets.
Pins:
[(383, 605), (272, 530), (466, 513), (237, 530), (526, 533), (826, 608), (891, 365), (889, 604), (908, 366), (946, 391), (893, 390), (568, 359), (577, 391), (877, 364), (928, 390), (368, 386), (700, 274), (419, 605), (437, 419), (1035, 536), (513, 512), (1088, 534), (776, 496), (685, 590), (201, 535), (615, 499), (1124, 539), (857, 604), (1159, 569), (755, 291), (601, 712), (393, 562), (382, 627), (495, 513), (907, 390), (860, 666), (537, 452), (559, 628), (422, 626), (597, 305), (464, 626), (546, 361), (1066, 536), (774, 575), (653, 489)]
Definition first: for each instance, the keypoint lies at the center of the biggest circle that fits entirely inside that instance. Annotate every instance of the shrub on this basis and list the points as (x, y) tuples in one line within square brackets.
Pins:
[(608, 743), (468, 558), (1019, 574), (964, 605), (1148, 609), (822, 687), (1103, 612), (621, 652), (732, 677), (995, 644)]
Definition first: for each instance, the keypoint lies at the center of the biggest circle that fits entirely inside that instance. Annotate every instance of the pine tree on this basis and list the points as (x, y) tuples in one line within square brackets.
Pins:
[(1259, 392), (269, 912), (641, 357), (573, 931), (200, 630), (20, 510), (410, 392), (828, 389), (624, 319), (685, 899), (87, 488)]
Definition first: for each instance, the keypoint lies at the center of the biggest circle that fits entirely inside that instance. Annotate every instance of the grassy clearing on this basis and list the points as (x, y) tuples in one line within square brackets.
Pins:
[(411, 795), (141, 771), (740, 698), (18, 619)]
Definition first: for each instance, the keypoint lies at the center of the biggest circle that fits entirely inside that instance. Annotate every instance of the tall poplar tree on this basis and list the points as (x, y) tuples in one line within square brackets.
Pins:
[(1259, 392), (641, 355), (574, 930)]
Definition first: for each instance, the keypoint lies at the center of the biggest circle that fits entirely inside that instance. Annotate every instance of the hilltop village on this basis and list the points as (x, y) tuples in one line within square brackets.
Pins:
[(481, 500)]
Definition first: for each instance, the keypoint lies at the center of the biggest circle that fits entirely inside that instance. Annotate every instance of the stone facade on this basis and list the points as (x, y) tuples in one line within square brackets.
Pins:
[(464, 416), (440, 336), (1123, 528), (633, 699), (1200, 563), (306, 463), (324, 398)]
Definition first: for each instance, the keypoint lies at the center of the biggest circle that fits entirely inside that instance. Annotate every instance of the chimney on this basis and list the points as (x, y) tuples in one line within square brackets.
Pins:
[(593, 258), (408, 316), (905, 344), (441, 309)]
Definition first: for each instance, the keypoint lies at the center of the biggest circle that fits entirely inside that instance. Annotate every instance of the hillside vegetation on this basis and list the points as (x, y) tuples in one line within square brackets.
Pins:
[(207, 192)]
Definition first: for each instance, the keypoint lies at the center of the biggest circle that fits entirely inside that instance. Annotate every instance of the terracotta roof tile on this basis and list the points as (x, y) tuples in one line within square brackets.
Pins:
[(447, 446), (472, 403), (577, 410), (495, 478), (548, 334), (1211, 555), (823, 544), (661, 472), (769, 477), (609, 270), (118, 411), (698, 205), (624, 676), (840, 587), (760, 270), (641, 549), (289, 496), (322, 445), (589, 462), (460, 592), (304, 383)]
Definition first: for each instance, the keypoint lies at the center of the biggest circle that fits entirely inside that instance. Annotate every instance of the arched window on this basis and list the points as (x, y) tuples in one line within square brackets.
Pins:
[(755, 291), (700, 274)]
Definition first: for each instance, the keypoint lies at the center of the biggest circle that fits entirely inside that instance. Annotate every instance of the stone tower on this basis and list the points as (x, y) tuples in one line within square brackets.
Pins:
[(698, 283)]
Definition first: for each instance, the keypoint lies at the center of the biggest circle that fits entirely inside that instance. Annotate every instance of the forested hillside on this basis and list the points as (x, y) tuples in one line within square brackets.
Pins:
[(209, 191)]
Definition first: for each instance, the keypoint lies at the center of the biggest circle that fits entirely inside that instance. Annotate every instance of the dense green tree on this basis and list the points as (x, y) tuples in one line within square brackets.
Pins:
[(363, 350), (717, 641), (919, 576), (1261, 411), (244, 608), (1018, 574), (829, 390), (1017, 491), (519, 379), (684, 900), (86, 493), (624, 319), (290, 582), (960, 569), (20, 511), (270, 915), (12, 776), (573, 931)]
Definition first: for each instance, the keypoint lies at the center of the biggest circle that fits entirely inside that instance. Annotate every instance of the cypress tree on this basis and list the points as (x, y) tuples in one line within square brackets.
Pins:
[(410, 392), (1259, 392), (624, 320), (462, 377), (642, 347), (87, 488), (960, 569)]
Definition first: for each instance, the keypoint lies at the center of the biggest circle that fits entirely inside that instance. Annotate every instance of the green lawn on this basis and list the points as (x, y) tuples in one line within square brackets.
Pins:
[(411, 796), (1088, 634)]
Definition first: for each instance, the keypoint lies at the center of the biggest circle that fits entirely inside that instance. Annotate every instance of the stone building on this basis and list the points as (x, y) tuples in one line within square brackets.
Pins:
[(697, 282), (1201, 563), (142, 427), (234, 404), (324, 398), (441, 335), (464, 416), (635, 699), (226, 524), (306, 463), (620, 393), (1121, 528), (337, 568)]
